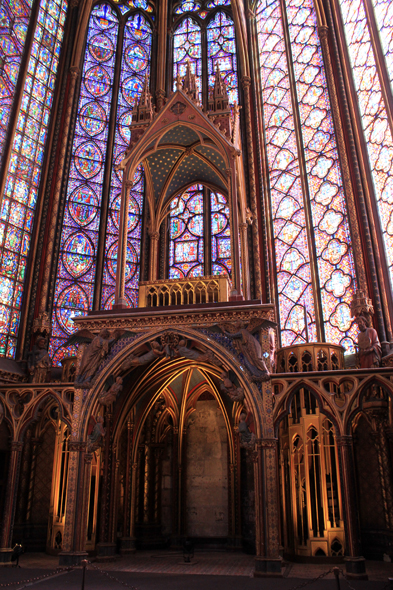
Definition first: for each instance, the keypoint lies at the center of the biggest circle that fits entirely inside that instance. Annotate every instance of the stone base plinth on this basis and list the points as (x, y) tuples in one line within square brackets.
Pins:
[(127, 545), (266, 567), (355, 568), (106, 551), (70, 558), (5, 557)]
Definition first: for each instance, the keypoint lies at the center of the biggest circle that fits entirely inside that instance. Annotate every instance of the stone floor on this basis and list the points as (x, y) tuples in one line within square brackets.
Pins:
[(204, 563)]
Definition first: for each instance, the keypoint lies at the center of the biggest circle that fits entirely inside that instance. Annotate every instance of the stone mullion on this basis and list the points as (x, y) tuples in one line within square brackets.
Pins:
[(10, 502), (175, 486), (86, 460), (246, 84)]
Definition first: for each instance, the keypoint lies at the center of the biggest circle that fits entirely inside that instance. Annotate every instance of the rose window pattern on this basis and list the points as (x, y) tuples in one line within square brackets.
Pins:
[(314, 260), (23, 172), (79, 277)]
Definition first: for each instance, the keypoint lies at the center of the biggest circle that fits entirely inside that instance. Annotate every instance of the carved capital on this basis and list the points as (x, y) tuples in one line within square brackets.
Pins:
[(16, 445), (323, 32), (74, 72), (77, 446), (344, 440), (246, 82), (154, 235), (88, 458)]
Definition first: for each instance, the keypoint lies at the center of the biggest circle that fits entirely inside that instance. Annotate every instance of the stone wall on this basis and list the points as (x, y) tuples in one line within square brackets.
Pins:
[(207, 472)]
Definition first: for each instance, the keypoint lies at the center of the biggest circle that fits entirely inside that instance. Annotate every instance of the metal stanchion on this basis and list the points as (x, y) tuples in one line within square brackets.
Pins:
[(84, 563), (336, 572)]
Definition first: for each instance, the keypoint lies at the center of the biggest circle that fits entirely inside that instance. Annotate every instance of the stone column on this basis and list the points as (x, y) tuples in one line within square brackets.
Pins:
[(154, 238), (87, 459), (127, 542), (236, 293), (71, 554), (355, 564), (10, 503), (120, 298), (245, 262), (268, 560), (105, 547)]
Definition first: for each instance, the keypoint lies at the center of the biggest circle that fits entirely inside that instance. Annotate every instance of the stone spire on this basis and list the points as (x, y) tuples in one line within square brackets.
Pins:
[(144, 110), (219, 109), (190, 85), (142, 113), (218, 99)]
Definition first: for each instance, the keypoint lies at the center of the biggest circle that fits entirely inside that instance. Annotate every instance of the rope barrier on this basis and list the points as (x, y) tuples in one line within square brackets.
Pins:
[(55, 572)]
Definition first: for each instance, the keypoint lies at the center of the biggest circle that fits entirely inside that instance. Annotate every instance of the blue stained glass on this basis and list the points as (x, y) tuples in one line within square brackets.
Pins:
[(186, 234), (135, 67), (14, 20), (78, 249), (23, 174), (187, 47), (220, 234), (221, 51)]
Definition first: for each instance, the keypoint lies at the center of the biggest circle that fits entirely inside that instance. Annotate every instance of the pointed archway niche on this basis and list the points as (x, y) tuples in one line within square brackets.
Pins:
[(178, 147)]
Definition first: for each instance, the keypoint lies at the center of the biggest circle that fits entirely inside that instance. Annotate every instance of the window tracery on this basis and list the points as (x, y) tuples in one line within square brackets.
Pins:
[(315, 267)]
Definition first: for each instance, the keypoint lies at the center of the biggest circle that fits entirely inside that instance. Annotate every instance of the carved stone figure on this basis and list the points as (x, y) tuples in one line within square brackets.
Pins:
[(38, 361), (250, 348), (234, 391), (106, 398), (98, 348), (247, 438), (206, 356), (370, 351), (97, 433), (157, 351)]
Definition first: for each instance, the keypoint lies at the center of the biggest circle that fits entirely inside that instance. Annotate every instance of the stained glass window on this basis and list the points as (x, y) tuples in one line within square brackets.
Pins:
[(79, 241), (134, 68), (75, 286), (327, 232), (383, 10), (377, 132), (24, 170), (220, 234), (187, 47), (186, 257), (221, 50), (187, 6), (14, 21)]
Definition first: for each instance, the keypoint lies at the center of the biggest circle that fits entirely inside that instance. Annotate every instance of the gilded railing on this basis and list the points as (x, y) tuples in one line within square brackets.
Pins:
[(171, 292), (311, 356)]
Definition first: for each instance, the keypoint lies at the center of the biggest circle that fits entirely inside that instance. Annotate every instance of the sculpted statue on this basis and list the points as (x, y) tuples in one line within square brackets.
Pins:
[(38, 361), (98, 348), (106, 398), (248, 345), (370, 351), (156, 351), (206, 356), (247, 438), (98, 432), (230, 386)]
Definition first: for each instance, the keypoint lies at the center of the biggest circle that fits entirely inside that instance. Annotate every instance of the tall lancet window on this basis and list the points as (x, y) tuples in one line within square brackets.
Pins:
[(314, 260), (368, 28), (112, 81), (22, 154), (199, 225)]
